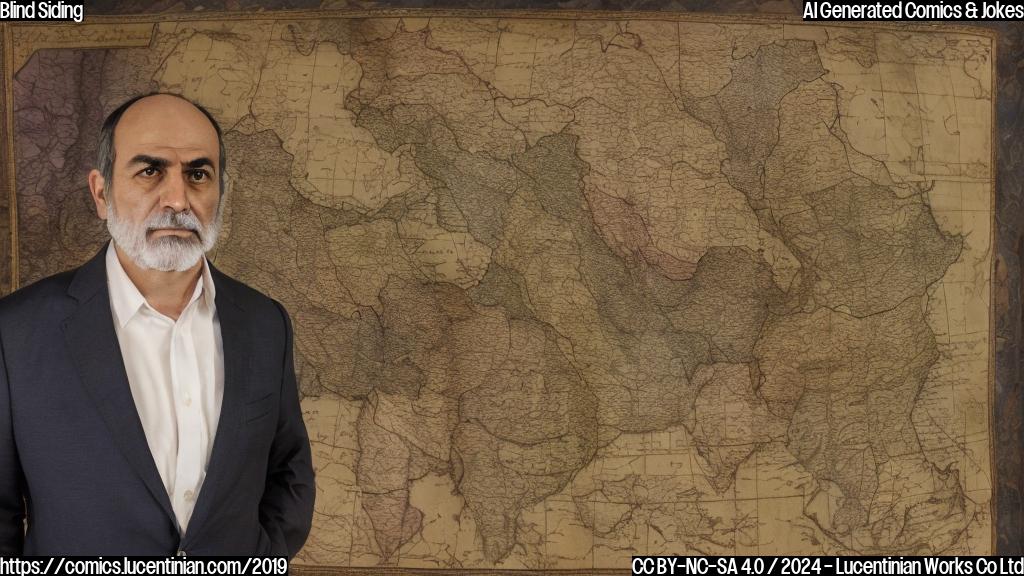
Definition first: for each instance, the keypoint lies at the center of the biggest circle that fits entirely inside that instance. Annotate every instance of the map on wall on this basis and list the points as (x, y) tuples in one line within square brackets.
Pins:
[(572, 288)]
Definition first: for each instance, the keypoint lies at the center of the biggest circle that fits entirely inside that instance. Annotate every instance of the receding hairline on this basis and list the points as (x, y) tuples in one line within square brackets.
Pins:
[(134, 103)]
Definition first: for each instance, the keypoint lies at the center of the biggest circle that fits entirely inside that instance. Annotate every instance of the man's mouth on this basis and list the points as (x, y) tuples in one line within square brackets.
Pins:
[(151, 230)]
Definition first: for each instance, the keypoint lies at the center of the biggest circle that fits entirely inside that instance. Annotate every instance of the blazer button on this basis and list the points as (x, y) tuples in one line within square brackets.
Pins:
[(182, 553)]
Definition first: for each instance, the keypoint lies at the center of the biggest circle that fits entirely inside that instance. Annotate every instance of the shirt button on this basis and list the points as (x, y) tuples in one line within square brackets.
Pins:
[(188, 400), (189, 495)]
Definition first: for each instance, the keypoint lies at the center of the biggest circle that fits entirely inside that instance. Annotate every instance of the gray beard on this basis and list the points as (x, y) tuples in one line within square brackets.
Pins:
[(166, 253)]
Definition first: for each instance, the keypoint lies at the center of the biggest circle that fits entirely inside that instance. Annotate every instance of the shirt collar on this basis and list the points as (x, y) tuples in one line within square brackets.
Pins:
[(126, 300)]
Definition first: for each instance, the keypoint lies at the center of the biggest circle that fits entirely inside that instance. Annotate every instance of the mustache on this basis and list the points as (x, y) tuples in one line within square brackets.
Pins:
[(174, 220)]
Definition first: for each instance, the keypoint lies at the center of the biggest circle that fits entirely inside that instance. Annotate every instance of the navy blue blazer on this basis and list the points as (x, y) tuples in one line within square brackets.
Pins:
[(73, 454)]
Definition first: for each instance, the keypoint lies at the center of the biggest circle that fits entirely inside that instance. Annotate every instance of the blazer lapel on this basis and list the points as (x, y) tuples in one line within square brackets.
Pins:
[(236, 338), (90, 336)]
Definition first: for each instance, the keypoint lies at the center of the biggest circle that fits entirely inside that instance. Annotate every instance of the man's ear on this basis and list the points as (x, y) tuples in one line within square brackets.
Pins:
[(98, 190)]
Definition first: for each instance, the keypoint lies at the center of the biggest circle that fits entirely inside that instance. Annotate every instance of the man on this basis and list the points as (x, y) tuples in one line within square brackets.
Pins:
[(148, 403)]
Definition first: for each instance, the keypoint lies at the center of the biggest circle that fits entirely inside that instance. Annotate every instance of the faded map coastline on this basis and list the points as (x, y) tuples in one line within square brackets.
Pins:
[(570, 290)]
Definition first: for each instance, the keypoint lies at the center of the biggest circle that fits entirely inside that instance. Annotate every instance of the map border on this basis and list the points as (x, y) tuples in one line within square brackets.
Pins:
[(14, 44)]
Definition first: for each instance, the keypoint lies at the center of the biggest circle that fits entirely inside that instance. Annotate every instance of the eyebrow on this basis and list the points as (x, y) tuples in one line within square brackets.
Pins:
[(148, 160), (163, 162), (199, 163)]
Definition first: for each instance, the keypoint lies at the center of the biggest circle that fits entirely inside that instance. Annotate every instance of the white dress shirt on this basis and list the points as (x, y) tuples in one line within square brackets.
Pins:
[(176, 374)]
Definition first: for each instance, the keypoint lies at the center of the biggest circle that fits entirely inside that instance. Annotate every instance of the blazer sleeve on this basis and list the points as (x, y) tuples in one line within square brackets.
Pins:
[(286, 509), (12, 503)]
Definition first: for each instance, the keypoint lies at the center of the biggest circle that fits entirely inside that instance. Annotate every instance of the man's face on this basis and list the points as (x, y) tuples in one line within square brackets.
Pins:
[(163, 205)]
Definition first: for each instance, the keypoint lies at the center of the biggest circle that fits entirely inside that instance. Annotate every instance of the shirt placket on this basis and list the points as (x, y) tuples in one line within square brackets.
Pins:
[(185, 382)]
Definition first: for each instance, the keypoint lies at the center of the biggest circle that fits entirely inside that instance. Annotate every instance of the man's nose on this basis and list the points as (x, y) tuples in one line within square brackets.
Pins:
[(174, 193)]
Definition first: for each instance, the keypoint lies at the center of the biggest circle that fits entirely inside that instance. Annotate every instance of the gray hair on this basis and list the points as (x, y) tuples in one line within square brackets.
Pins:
[(105, 154)]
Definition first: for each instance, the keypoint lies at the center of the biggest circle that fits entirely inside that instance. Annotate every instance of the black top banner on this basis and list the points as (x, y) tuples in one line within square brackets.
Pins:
[(905, 10), (41, 10)]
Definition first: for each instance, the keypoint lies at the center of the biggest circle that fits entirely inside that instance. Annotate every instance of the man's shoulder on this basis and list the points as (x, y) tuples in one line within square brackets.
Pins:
[(55, 296), (250, 299), (38, 296)]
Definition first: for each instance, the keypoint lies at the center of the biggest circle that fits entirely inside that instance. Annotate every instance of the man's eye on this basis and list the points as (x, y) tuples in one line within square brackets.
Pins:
[(199, 175), (150, 171)]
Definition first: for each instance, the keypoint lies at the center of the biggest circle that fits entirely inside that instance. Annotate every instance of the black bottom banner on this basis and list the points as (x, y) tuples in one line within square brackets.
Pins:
[(822, 565), (131, 565)]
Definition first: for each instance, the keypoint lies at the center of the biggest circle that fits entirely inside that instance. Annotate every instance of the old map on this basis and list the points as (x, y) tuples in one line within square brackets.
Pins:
[(568, 289)]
